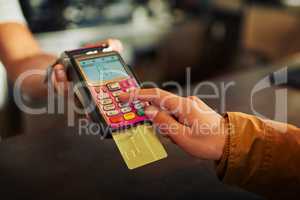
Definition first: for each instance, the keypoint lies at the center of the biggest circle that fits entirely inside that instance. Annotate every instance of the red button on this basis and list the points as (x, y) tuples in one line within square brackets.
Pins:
[(116, 119)]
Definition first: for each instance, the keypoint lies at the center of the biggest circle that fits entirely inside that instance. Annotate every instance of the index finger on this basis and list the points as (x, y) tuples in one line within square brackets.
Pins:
[(114, 44), (163, 99)]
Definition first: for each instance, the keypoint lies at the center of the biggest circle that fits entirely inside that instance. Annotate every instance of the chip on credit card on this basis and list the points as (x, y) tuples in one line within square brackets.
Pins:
[(139, 146)]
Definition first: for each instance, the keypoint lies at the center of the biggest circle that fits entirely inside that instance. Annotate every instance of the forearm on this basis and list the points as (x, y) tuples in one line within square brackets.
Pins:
[(20, 53), (261, 156), (33, 70)]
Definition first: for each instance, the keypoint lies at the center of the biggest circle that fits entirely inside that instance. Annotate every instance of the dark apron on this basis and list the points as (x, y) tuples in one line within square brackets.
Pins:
[(10, 117)]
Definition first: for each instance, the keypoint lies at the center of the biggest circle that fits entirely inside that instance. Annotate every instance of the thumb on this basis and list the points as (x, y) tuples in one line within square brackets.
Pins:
[(60, 80), (166, 124)]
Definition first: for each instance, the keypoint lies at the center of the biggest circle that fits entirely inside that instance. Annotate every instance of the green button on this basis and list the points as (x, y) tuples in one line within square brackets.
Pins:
[(140, 112)]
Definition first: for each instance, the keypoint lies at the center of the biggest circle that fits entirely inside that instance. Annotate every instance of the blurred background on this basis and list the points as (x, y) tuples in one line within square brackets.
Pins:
[(162, 38), (167, 36)]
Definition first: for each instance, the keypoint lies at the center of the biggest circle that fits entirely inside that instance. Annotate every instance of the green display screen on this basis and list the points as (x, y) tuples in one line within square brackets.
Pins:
[(103, 68)]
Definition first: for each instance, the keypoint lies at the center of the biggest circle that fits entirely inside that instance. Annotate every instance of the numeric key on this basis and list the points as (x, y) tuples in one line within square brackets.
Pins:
[(114, 86)]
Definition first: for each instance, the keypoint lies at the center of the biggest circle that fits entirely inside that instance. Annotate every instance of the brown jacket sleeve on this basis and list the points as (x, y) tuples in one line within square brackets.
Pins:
[(262, 156)]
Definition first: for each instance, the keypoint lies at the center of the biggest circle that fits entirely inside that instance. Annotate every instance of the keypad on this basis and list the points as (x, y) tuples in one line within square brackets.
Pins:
[(103, 95), (129, 116), (117, 93), (116, 119), (138, 106), (112, 113), (117, 99), (136, 102), (121, 105), (109, 107), (141, 112), (97, 89), (104, 89), (116, 111), (126, 109), (106, 101), (114, 86)]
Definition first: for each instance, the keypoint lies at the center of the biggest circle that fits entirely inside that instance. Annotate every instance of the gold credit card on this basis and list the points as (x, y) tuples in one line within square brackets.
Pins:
[(139, 146)]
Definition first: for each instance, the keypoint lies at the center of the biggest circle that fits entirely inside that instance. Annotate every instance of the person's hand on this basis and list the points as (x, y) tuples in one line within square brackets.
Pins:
[(59, 77), (188, 122)]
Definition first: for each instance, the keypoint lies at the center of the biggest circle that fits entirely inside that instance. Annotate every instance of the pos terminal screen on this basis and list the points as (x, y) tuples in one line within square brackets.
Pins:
[(104, 68)]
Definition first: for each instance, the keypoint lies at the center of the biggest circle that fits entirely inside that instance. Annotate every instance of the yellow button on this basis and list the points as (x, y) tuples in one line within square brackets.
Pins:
[(129, 116)]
